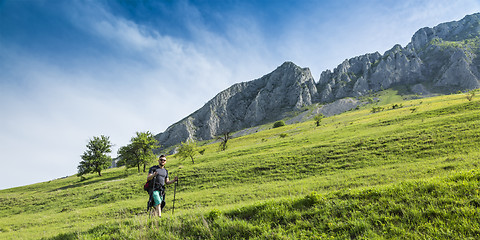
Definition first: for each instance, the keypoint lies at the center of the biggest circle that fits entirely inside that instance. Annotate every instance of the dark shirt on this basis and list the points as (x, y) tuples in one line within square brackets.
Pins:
[(162, 176)]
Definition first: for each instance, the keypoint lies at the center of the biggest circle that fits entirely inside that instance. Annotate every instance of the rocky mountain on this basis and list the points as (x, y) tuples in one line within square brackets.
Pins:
[(442, 59), (247, 104)]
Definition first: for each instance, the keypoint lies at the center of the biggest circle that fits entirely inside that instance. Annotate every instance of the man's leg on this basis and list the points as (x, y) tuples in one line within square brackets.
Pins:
[(157, 211)]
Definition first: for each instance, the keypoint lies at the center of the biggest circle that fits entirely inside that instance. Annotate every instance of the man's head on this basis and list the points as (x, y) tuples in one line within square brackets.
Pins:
[(162, 160)]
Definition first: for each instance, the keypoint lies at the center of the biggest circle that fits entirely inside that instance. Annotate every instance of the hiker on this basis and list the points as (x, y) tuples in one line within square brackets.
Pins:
[(161, 179)]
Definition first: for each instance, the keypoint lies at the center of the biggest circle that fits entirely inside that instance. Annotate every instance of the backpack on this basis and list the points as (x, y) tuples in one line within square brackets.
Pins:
[(148, 185)]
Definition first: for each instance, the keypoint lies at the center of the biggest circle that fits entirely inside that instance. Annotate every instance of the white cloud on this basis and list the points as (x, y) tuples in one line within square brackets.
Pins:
[(57, 108)]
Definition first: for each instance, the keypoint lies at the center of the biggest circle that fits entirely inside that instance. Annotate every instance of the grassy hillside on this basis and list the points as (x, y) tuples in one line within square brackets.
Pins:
[(408, 172)]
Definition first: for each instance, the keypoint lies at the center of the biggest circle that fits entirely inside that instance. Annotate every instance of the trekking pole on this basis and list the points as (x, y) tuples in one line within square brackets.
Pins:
[(174, 191), (150, 193)]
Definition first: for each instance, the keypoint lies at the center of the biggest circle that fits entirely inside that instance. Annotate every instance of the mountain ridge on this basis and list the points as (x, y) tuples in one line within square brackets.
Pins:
[(442, 59)]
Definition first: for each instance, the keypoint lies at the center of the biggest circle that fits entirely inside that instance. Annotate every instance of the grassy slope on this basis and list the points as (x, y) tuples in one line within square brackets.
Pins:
[(395, 173)]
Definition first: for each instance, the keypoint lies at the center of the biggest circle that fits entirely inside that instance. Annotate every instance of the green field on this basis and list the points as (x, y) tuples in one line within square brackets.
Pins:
[(406, 173)]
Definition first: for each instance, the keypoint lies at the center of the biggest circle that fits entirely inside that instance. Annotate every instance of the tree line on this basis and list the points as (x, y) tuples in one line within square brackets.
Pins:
[(140, 151)]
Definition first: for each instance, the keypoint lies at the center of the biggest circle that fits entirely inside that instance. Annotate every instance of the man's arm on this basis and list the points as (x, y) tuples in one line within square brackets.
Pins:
[(167, 182), (151, 175)]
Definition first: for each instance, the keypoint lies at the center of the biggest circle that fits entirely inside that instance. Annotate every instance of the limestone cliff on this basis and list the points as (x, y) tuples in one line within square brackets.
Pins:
[(247, 104)]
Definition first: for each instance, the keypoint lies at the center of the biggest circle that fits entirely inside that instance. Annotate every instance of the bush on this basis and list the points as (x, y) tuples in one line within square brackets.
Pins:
[(377, 109), (312, 199), (214, 214), (395, 106), (277, 124)]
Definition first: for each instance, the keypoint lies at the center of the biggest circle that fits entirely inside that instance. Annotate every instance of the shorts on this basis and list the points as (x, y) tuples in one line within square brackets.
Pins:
[(157, 198)]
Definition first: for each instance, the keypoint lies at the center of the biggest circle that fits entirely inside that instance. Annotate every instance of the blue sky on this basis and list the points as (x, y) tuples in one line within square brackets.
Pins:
[(74, 69)]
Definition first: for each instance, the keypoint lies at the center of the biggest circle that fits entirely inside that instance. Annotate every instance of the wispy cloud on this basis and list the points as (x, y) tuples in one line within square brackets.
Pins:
[(141, 80)]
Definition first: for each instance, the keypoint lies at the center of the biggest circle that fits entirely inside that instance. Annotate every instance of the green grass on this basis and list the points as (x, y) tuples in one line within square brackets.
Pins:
[(390, 174)]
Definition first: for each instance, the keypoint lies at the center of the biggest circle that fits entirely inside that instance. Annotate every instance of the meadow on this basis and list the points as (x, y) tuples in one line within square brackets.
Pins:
[(407, 171)]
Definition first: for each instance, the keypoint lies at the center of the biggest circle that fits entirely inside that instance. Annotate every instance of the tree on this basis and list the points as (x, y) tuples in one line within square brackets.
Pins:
[(128, 156), (187, 150), (470, 95), (145, 142), (139, 151), (95, 158), (224, 139), (318, 118)]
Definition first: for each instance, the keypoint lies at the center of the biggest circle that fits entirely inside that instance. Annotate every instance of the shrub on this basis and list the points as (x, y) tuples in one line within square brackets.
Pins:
[(395, 106), (312, 199), (214, 214), (277, 124), (376, 109)]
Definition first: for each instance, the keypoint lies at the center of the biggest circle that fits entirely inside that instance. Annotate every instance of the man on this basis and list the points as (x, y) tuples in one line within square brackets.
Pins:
[(161, 179)]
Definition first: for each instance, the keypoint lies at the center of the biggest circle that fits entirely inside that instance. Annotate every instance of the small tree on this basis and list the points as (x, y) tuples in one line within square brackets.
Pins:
[(139, 151), (277, 124), (129, 156), (224, 139), (470, 95), (188, 150), (95, 158), (318, 118), (145, 142)]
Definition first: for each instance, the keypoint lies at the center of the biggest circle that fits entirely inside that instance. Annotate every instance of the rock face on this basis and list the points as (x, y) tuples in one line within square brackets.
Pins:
[(442, 59), (247, 104)]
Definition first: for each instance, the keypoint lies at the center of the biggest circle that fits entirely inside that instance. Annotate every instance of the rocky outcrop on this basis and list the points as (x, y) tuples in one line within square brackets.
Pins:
[(445, 57), (349, 79), (247, 104)]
